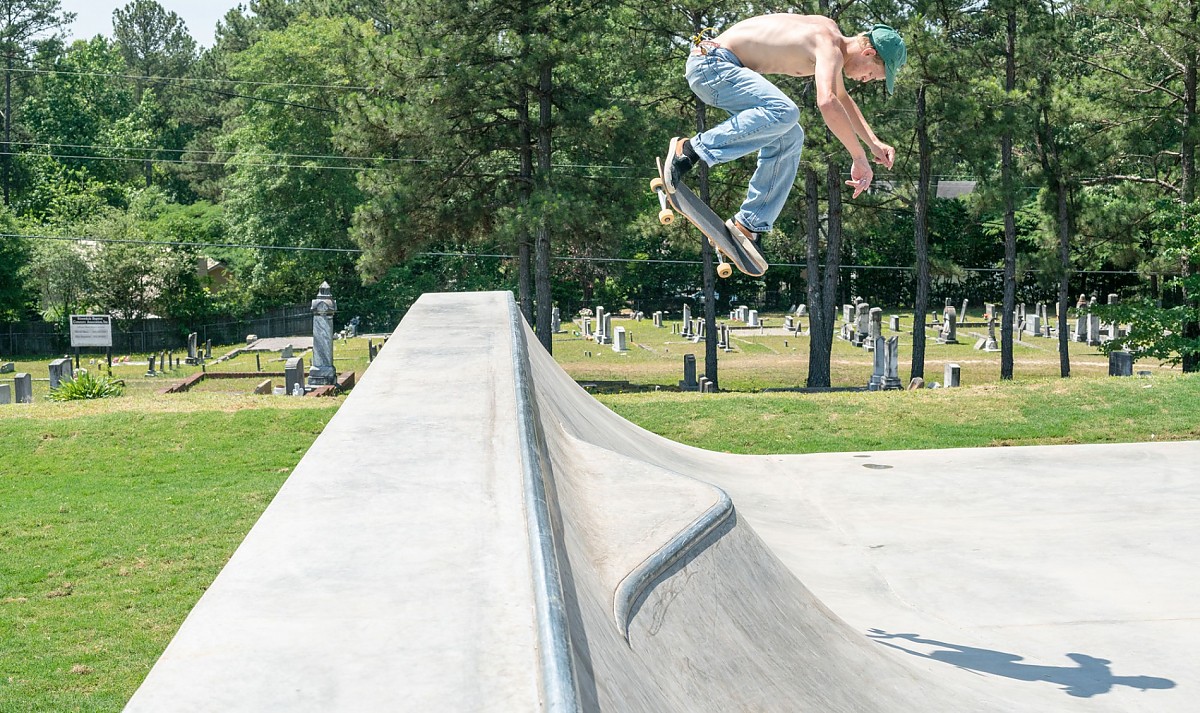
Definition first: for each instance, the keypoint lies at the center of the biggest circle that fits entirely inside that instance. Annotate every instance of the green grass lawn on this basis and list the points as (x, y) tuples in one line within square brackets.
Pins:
[(115, 515)]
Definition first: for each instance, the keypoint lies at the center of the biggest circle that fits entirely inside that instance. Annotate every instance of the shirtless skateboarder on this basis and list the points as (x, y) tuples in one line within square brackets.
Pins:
[(727, 72)]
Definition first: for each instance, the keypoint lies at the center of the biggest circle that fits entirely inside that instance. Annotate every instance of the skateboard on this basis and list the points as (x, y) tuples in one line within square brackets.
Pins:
[(700, 215)]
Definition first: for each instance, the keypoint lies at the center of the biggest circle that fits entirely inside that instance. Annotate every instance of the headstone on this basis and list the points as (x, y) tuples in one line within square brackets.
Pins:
[(352, 325), (208, 349), (862, 323), (949, 333), (875, 328), (60, 370), (891, 364), (953, 373), (658, 319), (8, 367), (989, 310), (847, 314), (802, 311), (1093, 329), (916, 383), (264, 389), (607, 334), (894, 323), (619, 340), (1033, 325), (5, 394), (752, 318), (23, 388), (293, 375), (251, 338), (687, 321), (1120, 363), (962, 316), (287, 352), (323, 307), (193, 356), (876, 381), (705, 385), (789, 323), (587, 328), (555, 321), (150, 371), (689, 382)]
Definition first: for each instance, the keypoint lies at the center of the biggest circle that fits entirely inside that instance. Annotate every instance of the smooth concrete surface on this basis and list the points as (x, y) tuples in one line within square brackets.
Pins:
[(392, 571)]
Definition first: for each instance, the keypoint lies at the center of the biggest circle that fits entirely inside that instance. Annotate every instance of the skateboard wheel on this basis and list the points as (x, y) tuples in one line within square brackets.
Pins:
[(666, 216), (724, 270), (656, 184)]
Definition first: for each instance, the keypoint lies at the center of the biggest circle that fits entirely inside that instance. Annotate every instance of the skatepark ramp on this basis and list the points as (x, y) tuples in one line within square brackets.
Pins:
[(473, 532)]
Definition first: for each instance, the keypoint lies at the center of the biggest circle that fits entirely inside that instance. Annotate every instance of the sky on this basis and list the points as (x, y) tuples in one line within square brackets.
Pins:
[(94, 17)]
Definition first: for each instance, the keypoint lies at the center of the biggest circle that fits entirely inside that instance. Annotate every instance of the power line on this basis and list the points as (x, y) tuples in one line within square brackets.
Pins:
[(502, 256), (146, 78)]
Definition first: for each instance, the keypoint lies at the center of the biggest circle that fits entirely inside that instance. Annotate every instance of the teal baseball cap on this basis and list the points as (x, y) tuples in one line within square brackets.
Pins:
[(890, 46)]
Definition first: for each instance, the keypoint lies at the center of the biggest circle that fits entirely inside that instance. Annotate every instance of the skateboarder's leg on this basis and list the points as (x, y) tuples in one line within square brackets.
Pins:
[(759, 112), (778, 163)]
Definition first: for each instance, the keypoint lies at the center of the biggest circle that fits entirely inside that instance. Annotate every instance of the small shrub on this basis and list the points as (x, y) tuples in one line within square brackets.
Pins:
[(86, 386)]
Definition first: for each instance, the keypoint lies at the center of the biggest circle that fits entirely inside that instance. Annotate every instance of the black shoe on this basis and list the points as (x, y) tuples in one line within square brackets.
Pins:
[(677, 162)]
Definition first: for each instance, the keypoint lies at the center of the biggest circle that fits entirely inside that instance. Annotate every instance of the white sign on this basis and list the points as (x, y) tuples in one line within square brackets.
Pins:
[(91, 330)]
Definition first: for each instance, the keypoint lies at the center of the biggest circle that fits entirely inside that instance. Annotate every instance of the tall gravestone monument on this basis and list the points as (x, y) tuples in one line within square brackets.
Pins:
[(321, 373)]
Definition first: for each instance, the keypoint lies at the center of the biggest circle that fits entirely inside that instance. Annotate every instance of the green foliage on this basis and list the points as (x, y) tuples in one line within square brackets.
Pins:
[(1162, 331), (86, 386)]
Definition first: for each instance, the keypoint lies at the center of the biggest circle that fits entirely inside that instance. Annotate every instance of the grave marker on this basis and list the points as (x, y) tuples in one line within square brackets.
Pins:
[(323, 308), (23, 388), (1120, 363), (951, 376), (689, 382), (891, 364), (294, 376), (60, 370)]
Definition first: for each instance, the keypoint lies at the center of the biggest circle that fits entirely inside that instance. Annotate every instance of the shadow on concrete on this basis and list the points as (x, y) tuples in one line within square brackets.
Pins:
[(1090, 677)]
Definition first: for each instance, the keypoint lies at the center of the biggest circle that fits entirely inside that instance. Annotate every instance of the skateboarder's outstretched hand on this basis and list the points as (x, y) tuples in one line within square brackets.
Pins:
[(860, 176), (883, 153)]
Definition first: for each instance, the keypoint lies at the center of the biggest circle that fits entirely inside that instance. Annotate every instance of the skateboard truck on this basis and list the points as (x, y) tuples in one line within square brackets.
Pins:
[(666, 216)]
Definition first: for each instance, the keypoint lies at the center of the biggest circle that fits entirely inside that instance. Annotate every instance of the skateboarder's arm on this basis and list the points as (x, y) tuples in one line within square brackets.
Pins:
[(883, 153), (828, 78)]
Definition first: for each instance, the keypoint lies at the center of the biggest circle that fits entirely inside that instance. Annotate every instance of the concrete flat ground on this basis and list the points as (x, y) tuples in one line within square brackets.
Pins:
[(1064, 576), (473, 531)]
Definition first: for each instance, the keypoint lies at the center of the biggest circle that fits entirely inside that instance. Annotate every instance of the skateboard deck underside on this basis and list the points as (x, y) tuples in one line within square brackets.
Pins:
[(706, 221)]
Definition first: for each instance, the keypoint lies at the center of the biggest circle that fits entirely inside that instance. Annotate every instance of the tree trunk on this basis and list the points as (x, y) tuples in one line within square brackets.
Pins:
[(710, 273), (1191, 328), (818, 351), (1064, 281), (8, 129), (524, 191), (1010, 225), (921, 238), (545, 308)]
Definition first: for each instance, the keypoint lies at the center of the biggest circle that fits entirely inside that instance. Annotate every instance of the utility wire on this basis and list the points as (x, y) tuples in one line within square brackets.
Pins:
[(502, 256), (348, 87)]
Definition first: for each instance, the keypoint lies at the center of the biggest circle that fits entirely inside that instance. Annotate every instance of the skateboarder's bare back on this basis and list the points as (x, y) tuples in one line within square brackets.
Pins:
[(780, 44)]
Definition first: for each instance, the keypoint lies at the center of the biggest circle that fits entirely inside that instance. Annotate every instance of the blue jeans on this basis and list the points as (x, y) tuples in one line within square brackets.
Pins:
[(762, 118)]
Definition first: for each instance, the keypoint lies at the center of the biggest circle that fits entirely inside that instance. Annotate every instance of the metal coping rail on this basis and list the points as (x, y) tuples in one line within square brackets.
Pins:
[(636, 582), (559, 680)]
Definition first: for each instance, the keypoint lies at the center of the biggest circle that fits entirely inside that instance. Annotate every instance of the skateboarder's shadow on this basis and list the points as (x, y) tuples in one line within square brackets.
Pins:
[(1091, 676)]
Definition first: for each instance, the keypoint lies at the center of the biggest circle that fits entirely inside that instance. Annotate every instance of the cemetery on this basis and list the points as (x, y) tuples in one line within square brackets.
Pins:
[(233, 403)]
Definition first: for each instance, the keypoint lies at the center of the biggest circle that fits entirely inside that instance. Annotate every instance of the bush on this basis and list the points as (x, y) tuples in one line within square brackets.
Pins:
[(86, 386)]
